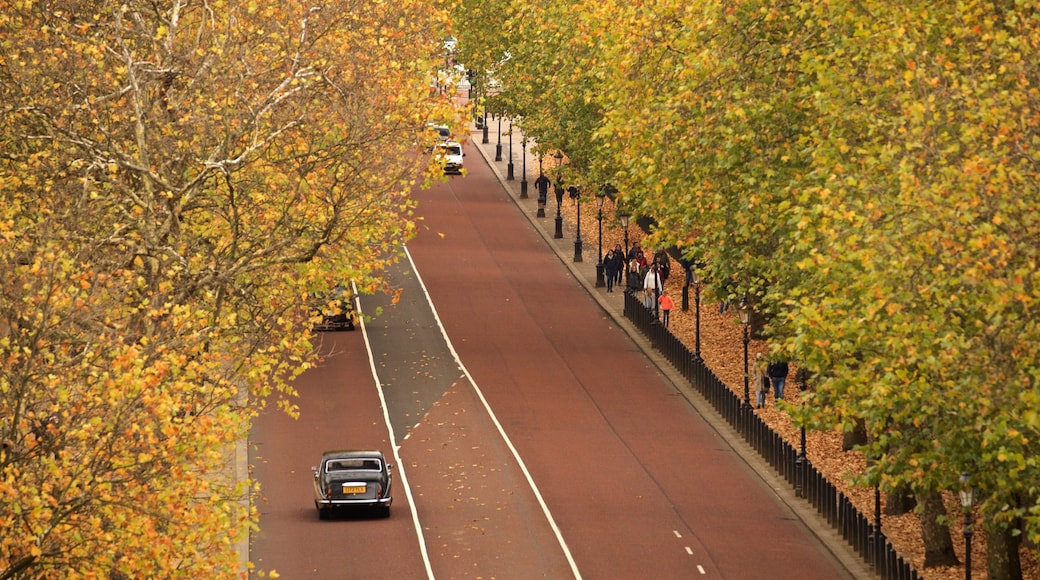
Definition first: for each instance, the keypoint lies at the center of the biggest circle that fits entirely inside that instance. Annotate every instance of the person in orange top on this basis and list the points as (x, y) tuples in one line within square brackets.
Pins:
[(666, 303)]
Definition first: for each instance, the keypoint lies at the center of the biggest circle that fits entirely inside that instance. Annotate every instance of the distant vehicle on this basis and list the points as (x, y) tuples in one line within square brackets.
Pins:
[(337, 312), (443, 132), (352, 478), (450, 45), (450, 153)]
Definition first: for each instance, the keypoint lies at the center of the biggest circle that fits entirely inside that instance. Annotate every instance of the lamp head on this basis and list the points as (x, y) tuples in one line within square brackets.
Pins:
[(967, 493), (745, 312)]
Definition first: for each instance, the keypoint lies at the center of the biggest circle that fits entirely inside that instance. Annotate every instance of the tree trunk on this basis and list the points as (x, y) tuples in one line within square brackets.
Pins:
[(900, 501), (858, 436), (1002, 558), (938, 547)]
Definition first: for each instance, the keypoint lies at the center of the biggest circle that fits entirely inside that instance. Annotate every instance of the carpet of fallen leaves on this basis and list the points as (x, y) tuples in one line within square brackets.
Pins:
[(722, 349)]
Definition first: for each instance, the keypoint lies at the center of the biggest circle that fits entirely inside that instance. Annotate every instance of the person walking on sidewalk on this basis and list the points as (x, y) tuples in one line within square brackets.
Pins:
[(621, 262), (610, 269), (666, 303), (651, 288), (760, 380), (542, 185), (778, 374)]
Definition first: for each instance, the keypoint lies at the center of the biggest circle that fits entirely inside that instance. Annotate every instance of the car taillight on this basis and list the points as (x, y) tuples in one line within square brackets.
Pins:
[(379, 490)]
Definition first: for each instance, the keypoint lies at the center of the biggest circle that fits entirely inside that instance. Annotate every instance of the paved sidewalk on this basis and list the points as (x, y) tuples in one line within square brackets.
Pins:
[(613, 304)]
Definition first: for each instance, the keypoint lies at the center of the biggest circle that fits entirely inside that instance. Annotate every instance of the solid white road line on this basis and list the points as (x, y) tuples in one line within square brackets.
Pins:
[(393, 443), (494, 420)]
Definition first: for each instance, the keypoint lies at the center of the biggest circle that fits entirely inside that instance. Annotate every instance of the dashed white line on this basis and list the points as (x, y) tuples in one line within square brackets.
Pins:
[(401, 473), (494, 420)]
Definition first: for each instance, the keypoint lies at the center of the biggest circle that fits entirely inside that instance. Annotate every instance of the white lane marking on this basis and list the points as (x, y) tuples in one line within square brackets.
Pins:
[(689, 550), (494, 420), (701, 569), (393, 443), (677, 534)]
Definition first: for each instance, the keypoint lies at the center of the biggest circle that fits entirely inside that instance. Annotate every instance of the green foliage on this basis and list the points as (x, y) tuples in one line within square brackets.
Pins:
[(863, 172)]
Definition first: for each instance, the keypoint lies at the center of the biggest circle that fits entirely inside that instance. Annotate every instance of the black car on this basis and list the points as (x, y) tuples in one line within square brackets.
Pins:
[(337, 312), (352, 478)]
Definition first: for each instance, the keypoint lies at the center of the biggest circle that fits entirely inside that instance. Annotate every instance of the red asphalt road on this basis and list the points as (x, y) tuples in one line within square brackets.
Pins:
[(338, 405), (638, 484)]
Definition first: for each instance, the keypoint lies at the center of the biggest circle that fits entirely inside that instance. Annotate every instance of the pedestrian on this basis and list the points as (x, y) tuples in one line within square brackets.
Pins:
[(643, 264), (610, 269), (635, 276), (634, 251), (620, 263), (666, 303), (778, 374), (651, 287), (664, 265), (542, 185), (760, 379)]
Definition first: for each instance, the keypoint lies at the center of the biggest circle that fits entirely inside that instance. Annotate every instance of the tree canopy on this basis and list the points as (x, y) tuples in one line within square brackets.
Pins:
[(180, 183), (863, 173)]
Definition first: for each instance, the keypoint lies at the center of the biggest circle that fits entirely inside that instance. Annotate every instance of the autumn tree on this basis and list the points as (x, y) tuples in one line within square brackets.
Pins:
[(863, 173), (180, 181)]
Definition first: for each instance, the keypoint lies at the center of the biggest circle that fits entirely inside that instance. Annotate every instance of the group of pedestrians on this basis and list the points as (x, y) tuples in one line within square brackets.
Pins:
[(765, 374), (648, 278)]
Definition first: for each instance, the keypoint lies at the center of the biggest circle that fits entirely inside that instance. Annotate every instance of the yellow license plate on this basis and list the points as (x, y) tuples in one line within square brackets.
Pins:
[(353, 489)]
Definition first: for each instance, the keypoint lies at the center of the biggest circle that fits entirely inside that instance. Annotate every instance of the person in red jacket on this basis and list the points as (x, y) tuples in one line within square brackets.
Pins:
[(666, 303)]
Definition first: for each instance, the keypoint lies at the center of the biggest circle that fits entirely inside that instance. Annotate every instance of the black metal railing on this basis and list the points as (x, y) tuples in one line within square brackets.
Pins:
[(859, 531)]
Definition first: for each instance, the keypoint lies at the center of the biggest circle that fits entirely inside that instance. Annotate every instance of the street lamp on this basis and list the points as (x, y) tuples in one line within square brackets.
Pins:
[(575, 193), (799, 465), (624, 217), (558, 156), (523, 168), (484, 140), (967, 502), (877, 535), (695, 279), (542, 185), (498, 146), (745, 319), (509, 166), (600, 198)]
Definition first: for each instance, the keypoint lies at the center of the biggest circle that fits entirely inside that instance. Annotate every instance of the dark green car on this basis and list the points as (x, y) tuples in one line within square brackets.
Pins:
[(352, 479)]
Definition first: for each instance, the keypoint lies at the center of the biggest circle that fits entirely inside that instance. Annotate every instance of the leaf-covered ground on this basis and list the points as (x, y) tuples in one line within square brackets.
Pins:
[(722, 348)]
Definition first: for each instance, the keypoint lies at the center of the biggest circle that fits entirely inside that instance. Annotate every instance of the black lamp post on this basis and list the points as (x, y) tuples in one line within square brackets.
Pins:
[(558, 156), (575, 192), (509, 166), (799, 465), (745, 319), (624, 217), (543, 189), (695, 280), (523, 168), (498, 146), (876, 537), (600, 198), (485, 138), (967, 502)]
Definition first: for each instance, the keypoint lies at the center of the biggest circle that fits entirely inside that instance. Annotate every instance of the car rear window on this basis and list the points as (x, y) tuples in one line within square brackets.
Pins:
[(352, 465)]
